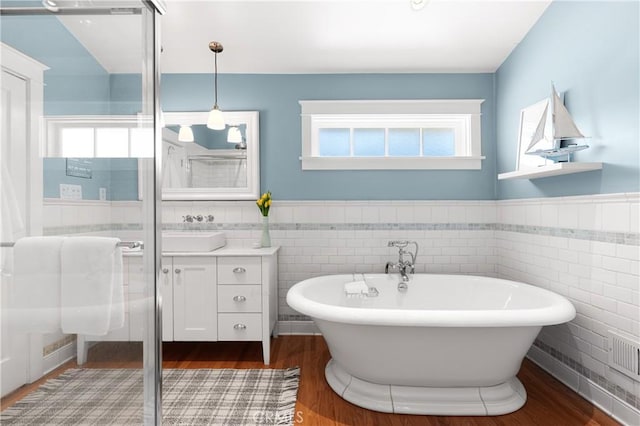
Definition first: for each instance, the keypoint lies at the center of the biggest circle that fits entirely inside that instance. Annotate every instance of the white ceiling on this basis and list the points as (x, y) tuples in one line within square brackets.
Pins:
[(321, 36)]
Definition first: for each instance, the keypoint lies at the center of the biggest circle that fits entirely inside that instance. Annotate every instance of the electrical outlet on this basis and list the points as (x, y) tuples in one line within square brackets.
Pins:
[(103, 194), (70, 192)]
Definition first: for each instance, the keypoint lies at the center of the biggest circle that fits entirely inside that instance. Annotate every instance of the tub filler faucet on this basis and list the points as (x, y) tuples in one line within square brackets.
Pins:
[(404, 266)]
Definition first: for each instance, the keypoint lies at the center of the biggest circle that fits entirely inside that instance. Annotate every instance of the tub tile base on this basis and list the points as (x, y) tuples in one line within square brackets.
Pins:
[(504, 398), (471, 401), (338, 379), (376, 398)]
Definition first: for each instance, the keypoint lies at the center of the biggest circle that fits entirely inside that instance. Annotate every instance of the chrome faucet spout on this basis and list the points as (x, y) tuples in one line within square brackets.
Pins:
[(389, 265)]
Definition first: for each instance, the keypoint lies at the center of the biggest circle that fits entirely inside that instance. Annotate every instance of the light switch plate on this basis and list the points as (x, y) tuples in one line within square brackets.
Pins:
[(70, 192)]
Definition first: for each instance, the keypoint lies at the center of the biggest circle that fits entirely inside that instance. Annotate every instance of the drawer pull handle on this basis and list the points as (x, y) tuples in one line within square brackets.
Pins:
[(165, 270), (239, 327), (177, 271), (239, 298), (239, 270)]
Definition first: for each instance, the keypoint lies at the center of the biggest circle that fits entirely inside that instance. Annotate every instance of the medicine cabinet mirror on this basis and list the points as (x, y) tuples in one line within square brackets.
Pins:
[(204, 164)]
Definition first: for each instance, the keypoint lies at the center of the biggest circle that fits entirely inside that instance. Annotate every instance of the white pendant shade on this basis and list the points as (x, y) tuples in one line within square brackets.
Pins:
[(185, 134), (234, 135), (216, 120)]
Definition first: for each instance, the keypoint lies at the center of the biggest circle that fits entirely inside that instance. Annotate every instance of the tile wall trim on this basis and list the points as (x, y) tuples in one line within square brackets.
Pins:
[(599, 397), (593, 198), (606, 385), (333, 226), (627, 238), (620, 197), (85, 229)]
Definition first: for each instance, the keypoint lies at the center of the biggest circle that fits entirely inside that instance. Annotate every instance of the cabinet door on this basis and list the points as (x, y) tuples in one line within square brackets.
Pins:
[(166, 291), (194, 299)]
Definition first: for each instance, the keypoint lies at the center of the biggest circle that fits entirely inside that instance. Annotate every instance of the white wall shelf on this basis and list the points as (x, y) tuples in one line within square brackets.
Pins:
[(554, 169)]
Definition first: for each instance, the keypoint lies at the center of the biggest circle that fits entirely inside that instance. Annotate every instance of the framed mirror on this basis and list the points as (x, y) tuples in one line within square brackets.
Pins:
[(204, 164)]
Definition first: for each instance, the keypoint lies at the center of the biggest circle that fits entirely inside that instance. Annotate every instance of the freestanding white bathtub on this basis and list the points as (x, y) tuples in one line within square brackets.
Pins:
[(449, 345)]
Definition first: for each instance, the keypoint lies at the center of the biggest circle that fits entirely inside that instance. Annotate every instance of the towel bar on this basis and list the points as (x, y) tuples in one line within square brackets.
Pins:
[(127, 244)]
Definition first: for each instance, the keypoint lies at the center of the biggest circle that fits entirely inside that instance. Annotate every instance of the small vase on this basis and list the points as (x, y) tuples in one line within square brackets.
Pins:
[(265, 239)]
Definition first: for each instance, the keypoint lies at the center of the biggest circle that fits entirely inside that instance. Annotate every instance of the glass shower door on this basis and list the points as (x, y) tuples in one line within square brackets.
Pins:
[(79, 259)]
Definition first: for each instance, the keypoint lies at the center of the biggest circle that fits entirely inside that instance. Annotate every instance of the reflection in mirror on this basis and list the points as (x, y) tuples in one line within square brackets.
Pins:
[(204, 158), (201, 163)]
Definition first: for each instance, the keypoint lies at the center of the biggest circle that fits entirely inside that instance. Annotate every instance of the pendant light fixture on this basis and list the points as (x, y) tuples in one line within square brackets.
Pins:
[(235, 136), (185, 134), (215, 120)]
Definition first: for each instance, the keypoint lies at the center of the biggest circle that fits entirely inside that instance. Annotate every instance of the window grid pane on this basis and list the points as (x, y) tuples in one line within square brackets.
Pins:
[(439, 142), (415, 140), (387, 142), (112, 142), (368, 142), (404, 142), (334, 142), (77, 142)]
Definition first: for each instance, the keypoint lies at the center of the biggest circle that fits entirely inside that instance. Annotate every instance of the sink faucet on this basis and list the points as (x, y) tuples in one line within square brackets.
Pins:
[(404, 266)]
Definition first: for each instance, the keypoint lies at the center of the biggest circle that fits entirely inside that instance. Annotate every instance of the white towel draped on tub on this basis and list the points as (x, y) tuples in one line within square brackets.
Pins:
[(92, 293), (36, 284)]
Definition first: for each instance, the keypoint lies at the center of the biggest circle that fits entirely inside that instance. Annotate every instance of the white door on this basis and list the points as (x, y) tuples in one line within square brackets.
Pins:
[(194, 299), (14, 192)]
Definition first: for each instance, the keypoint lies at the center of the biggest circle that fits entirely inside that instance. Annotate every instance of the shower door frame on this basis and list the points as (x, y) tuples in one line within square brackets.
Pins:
[(153, 414), (152, 367)]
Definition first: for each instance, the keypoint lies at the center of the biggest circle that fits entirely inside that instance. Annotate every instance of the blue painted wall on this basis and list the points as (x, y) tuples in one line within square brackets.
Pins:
[(276, 98), (75, 84), (125, 98), (590, 50), (54, 174)]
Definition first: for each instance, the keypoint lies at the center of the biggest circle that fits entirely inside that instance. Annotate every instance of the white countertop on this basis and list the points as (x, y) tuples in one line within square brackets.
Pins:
[(221, 252)]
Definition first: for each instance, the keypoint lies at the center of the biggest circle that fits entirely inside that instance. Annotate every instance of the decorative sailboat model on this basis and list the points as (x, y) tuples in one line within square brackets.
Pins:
[(554, 125)]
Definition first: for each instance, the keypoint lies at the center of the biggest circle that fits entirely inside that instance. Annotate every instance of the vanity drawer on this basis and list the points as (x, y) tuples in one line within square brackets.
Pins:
[(239, 327), (239, 270), (240, 298)]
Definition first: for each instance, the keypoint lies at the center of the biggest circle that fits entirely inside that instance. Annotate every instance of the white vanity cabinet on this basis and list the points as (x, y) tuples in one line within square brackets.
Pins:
[(248, 297), (189, 303), (223, 295), (240, 302)]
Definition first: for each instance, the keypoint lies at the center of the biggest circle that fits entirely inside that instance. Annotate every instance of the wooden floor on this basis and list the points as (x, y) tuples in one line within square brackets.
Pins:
[(549, 402)]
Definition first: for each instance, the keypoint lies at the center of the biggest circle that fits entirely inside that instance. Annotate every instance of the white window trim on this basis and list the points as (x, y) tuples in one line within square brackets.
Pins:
[(55, 124), (317, 114)]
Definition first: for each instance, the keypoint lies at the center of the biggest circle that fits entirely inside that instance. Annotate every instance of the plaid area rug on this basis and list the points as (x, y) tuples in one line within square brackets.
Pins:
[(190, 397)]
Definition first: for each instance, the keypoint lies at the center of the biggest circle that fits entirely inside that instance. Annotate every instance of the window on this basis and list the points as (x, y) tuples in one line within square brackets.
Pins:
[(99, 136), (406, 134)]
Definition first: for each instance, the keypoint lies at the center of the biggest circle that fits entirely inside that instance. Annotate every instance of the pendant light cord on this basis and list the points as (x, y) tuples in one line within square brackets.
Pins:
[(215, 80)]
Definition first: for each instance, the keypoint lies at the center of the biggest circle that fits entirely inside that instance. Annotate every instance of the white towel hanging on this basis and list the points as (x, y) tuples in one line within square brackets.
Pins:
[(35, 299), (92, 293)]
